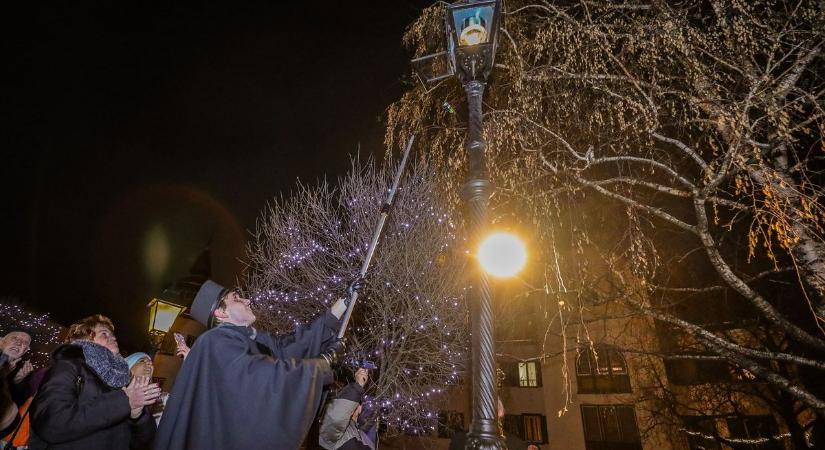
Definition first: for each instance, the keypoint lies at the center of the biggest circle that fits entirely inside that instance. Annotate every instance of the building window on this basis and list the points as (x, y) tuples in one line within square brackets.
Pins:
[(701, 433), (535, 428), (522, 374), (532, 428), (528, 374), (689, 372), (602, 371), (610, 427), (754, 433)]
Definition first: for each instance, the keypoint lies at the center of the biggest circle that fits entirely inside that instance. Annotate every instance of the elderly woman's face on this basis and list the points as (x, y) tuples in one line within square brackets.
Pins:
[(106, 337), (143, 368)]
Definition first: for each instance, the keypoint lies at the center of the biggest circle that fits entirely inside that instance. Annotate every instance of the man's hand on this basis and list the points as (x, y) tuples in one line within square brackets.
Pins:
[(341, 305), (141, 393), (334, 352), (361, 376), (24, 371), (355, 286)]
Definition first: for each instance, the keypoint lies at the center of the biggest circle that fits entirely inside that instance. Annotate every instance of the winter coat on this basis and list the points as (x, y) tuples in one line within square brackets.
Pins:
[(338, 430), (75, 409)]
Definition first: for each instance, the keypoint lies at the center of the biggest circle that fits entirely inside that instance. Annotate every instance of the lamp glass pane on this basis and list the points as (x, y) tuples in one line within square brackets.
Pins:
[(153, 308), (165, 315), (474, 23)]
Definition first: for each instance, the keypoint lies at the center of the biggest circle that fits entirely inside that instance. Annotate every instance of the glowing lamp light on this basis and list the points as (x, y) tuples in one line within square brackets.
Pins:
[(474, 31), (162, 315), (473, 22), (502, 255)]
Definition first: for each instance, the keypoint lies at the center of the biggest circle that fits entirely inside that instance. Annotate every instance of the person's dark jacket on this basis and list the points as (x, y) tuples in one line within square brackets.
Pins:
[(75, 409), (338, 430)]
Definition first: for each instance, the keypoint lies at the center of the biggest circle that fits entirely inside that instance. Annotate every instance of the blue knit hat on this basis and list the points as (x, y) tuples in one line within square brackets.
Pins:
[(135, 357)]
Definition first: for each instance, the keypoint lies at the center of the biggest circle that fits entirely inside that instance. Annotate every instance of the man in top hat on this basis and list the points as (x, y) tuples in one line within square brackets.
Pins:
[(242, 388)]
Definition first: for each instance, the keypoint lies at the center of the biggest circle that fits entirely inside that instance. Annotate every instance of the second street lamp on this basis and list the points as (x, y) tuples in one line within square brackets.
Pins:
[(162, 315), (472, 34)]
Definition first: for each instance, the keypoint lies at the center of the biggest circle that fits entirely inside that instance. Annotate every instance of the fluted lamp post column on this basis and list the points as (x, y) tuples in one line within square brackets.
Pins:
[(472, 32)]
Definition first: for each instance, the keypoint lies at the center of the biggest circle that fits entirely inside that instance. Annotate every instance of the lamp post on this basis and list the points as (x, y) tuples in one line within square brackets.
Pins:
[(472, 34), (162, 315)]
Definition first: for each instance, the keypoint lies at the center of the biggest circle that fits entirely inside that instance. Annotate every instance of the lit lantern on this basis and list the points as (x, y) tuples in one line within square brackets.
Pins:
[(472, 36), (162, 315)]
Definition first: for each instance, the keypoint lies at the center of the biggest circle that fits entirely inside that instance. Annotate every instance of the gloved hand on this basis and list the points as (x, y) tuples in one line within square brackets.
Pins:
[(334, 353), (355, 286)]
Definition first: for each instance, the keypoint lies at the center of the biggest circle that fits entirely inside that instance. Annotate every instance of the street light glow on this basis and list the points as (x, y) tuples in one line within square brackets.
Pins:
[(502, 254), (473, 35)]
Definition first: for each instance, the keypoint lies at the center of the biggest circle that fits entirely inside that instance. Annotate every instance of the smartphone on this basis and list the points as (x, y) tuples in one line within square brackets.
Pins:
[(180, 339)]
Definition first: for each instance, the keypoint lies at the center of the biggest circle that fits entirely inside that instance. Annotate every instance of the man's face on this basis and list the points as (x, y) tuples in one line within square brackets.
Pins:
[(15, 344), (106, 337), (237, 310)]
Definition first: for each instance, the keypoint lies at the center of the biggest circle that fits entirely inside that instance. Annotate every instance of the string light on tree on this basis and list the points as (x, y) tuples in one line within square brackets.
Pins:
[(409, 319)]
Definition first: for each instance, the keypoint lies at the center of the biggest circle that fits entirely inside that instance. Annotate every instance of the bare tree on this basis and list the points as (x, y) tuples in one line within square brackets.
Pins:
[(693, 130), (410, 319)]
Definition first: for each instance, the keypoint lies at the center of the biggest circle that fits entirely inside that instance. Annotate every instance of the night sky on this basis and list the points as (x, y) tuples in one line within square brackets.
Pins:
[(136, 134)]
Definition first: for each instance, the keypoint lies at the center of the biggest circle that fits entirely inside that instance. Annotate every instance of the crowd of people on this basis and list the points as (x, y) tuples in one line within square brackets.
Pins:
[(238, 388), (235, 378)]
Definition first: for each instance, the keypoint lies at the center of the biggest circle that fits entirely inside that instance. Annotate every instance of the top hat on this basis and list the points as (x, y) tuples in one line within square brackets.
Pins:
[(205, 303)]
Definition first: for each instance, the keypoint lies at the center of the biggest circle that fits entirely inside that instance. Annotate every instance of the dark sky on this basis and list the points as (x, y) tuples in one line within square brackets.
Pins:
[(135, 133)]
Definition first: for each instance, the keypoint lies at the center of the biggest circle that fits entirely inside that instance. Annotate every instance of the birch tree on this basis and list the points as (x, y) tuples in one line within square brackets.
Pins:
[(691, 130)]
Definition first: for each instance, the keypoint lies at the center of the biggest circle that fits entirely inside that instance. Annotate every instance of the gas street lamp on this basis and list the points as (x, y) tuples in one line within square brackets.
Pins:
[(472, 35), (162, 315)]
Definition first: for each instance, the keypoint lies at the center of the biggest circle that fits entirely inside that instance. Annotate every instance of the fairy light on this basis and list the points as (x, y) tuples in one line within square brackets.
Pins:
[(732, 440)]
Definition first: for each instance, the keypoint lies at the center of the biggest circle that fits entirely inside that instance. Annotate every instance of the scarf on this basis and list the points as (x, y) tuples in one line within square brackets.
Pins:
[(111, 368)]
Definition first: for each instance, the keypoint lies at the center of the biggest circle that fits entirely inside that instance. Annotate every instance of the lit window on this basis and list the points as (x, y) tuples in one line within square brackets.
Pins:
[(533, 428), (528, 374), (530, 427)]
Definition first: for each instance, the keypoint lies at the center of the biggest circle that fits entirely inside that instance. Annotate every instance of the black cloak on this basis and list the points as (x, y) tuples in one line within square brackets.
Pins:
[(239, 389)]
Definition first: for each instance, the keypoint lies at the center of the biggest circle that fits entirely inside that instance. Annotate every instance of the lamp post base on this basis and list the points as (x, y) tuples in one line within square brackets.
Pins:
[(480, 443), (484, 435)]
